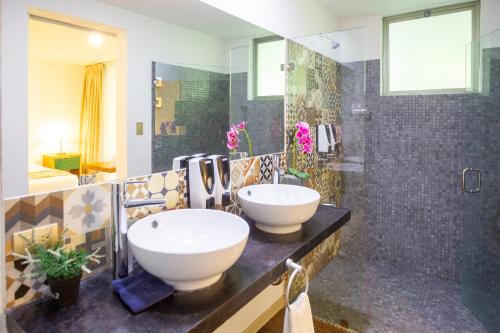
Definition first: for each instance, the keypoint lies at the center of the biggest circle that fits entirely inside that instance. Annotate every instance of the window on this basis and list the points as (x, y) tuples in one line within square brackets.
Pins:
[(429, 51), (269, 78)]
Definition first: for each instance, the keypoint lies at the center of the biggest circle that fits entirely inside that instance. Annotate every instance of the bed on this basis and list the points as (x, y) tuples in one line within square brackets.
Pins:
[(42, 179)]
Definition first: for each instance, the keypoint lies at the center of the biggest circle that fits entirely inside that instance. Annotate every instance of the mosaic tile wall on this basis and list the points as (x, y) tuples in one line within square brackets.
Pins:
[(314, 96), (193, 116), (197, 108), (416, 148), (265, 118)]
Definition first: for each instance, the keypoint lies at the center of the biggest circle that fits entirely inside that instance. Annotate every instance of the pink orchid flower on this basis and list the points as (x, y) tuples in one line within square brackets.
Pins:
[(233, 141), (242, 125), (304, 136)]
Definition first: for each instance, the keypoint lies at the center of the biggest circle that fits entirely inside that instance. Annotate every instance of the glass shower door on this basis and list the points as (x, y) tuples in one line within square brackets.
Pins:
[(326, 77), (480, 250)]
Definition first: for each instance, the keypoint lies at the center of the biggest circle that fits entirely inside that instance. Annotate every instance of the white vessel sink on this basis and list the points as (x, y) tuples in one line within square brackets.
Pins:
[(279, 208), (189, 248)]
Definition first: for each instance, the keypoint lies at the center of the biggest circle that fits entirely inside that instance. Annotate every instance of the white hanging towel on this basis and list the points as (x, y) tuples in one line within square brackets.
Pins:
[(298, 316)]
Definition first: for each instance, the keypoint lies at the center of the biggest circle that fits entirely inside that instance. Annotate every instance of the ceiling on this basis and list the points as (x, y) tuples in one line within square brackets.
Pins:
[(195, 15), (65, 44), (344, 9)]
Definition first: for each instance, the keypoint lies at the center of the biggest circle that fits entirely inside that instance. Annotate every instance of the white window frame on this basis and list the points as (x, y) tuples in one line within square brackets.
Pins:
[(473, 6)]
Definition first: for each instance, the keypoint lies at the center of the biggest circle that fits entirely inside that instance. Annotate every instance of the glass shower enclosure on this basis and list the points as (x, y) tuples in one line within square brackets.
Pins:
[(480, 250), (326, 86)]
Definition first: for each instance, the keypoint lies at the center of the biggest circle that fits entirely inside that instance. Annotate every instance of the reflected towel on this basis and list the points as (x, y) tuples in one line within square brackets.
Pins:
[(141, 291), (298, 317)]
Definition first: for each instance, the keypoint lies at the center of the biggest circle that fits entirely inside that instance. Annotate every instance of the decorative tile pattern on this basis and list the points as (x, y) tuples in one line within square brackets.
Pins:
[(314, 96), (91, 241), (21, 290), (87, 208), (266, 169), (183, 189), (84, 213), (170, 185), (316, 260), (32, 211), (237, 180), (283, 160), (22, 214), (245, 172)]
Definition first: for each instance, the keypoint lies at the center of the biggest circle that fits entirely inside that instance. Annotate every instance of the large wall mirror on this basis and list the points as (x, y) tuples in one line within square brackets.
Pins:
[(74, 116), (194, 106)]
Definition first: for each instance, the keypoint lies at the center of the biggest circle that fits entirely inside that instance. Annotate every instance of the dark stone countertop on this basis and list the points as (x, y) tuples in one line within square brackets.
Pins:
[(262, 262)]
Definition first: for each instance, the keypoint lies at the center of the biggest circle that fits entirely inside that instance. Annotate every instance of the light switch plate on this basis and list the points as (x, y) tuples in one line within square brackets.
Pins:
[(46, 235), (139, 128)]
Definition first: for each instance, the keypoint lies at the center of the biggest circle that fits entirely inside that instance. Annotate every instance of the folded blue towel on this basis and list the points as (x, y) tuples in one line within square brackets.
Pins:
[(141, 291)]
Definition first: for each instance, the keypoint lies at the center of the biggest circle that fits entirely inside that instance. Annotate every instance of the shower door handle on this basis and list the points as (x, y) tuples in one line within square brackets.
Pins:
[(478, 180)]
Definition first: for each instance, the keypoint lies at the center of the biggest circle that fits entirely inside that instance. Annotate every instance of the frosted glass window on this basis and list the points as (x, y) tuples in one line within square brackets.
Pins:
[(429, 53), (269, 56)]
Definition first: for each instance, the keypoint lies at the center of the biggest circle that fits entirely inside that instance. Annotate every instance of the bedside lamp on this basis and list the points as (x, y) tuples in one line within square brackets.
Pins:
[(56, 135)]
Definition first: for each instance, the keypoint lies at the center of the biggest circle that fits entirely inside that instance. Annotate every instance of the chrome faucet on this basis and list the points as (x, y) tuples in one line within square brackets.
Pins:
[(121, 202), (278, 172)]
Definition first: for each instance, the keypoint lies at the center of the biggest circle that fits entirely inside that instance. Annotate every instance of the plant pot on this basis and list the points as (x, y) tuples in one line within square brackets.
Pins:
[(237, 155), (67, 290), (291, 180)]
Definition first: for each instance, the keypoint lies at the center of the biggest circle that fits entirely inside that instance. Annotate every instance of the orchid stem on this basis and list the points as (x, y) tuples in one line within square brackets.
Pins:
[(250, 143), (294, 150)]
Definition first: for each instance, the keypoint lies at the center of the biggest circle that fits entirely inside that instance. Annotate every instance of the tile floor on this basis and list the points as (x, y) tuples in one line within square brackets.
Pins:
[(375, 298)]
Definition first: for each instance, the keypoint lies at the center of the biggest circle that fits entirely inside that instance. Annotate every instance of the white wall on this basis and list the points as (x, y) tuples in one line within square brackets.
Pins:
[(490, 16), (373, 33), (351, 44), (238, 54), (147, 40), (288, 18), (54, 105)]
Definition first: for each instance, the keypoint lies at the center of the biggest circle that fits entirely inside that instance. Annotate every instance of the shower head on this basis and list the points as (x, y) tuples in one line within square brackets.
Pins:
[(334, 44)]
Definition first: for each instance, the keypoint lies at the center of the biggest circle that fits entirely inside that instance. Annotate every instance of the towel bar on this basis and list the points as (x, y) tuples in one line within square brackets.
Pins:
[(296, 269)]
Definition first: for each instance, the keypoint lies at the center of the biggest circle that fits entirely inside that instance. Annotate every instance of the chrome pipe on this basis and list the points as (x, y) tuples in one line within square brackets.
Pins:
[(120, 248), (120, 203)]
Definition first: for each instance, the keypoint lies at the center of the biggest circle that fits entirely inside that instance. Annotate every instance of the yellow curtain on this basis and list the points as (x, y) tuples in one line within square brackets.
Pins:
[(91, 114)]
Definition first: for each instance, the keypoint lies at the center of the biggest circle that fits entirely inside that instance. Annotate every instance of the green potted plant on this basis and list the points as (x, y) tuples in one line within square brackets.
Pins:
[(61, 266)]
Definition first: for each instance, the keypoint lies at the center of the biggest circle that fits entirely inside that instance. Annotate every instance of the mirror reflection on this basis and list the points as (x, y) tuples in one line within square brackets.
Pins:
[(76, 111), (195, 106), (71, 105)]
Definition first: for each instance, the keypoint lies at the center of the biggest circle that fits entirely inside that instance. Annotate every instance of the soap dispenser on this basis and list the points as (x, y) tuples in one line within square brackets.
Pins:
[(181, 162), (201, 183), (331, 130), (222, 175)]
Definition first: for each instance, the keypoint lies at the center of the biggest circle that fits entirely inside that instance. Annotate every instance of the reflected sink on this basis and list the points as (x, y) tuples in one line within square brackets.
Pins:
[(279, 208), (188, 248)]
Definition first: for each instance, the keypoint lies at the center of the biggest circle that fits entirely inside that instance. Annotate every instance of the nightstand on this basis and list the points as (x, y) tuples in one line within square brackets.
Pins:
[(64, 161)]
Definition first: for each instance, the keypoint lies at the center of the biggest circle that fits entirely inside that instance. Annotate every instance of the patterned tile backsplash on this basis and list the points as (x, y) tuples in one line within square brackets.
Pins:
[(314, 96), (85, 214)]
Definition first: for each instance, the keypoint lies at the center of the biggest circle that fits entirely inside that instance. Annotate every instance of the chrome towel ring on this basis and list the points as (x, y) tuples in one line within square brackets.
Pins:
[(296, 269)]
